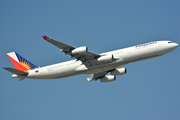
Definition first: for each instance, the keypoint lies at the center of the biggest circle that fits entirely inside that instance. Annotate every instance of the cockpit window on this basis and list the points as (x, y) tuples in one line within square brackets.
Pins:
[(170, 42)]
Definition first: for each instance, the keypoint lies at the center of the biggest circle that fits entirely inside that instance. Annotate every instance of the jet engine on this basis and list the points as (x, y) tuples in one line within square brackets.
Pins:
[(108, 78), (119, 71), (80, 50), (105, 58)]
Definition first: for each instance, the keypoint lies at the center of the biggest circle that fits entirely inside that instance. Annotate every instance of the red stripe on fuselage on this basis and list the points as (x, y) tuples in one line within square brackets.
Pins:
[(17, 65)]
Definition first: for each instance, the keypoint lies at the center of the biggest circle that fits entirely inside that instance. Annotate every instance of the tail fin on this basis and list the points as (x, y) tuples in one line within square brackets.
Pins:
[(20, 63)]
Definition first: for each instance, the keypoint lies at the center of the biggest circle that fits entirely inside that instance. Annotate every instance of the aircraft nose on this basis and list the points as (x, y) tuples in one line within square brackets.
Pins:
[(175, 45)]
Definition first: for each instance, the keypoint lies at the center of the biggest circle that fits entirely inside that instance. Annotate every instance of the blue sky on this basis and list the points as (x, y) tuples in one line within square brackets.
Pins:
[(149, 90)]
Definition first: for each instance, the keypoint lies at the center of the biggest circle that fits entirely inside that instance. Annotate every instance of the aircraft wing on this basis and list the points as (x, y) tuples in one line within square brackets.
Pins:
[(88, 58)]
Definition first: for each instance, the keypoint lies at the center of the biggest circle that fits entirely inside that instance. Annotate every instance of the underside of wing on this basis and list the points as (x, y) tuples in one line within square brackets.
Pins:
[(103, 76), (97, 76), (108, 78)]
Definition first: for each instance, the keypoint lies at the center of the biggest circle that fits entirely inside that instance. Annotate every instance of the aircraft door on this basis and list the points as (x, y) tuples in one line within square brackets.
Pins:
[(41, 71), (160, 44), (128, 50)]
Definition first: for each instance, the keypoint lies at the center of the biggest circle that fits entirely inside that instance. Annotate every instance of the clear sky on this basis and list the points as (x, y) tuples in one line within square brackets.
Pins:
[(149, 90)]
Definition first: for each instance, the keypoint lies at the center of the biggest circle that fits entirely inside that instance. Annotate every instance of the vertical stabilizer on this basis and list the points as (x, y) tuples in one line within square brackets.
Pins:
[(20, 63)]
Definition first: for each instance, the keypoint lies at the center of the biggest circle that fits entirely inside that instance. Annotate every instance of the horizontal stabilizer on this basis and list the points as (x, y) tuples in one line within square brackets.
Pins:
[(17, 72)]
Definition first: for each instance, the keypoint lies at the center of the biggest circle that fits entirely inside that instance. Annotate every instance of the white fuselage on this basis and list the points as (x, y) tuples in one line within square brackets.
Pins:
[(121, 56)]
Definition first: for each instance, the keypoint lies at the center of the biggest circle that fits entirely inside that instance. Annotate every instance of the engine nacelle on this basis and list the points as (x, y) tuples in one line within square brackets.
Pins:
[(108, 78), (105, 58), (119, 71), (80, 50)]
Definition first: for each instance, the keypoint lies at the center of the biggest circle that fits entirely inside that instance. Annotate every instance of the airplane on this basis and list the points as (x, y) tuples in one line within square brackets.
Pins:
[(99, 65)]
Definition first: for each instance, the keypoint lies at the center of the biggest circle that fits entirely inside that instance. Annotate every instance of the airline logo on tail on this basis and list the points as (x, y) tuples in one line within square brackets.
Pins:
[(20, 63)]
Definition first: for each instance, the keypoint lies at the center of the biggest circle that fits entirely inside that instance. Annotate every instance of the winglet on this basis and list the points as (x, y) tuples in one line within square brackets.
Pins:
[(45, 37)]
